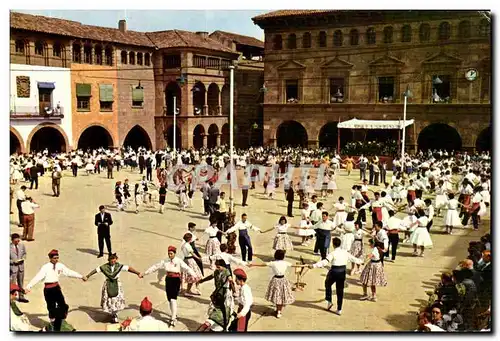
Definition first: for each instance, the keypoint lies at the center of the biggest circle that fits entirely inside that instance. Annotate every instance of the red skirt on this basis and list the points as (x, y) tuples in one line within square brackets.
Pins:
[(378, 212)]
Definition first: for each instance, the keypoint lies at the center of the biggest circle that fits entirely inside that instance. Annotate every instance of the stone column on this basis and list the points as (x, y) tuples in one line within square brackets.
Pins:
[(218, 139), (205, 106), (205, 136), (219, 106), (313, 144)]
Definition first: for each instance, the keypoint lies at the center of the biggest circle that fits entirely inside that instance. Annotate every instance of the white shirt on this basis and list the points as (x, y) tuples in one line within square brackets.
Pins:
[(364, 188), (147, 324), (375, 254), (50, 275), (211, 231), (27, 207), (325, 225), (312, 206), (337, 257), (170, 265), (418, 203), (20, 195), (429, 211), (394, 223), (467, 190), (124, 268), (382, 237), (477, 198), (279, 267), (315, 215), (245, 299), (339, 206), (282, 228), (228, 259), (241, 226)]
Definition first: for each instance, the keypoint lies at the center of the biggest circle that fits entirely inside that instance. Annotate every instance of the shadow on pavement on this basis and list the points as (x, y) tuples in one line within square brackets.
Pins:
[(191, 325), (36, 321), (89, 251), (96, 314), (156, 233), (403, 322)]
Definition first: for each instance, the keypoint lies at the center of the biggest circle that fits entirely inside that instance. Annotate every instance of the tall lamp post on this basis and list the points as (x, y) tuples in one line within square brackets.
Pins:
[(231, 135), (175, 124), (407, 94)]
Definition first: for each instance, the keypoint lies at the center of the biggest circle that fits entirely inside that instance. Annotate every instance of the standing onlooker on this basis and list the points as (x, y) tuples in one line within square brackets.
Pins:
[(28, 207), (110, 164), (362, 168), (244, 189), (56, 181), (141, 163), (21, 196), (17, 258), (289, 198), (34, 176), (103, 221), (213, 196), (149, 169)]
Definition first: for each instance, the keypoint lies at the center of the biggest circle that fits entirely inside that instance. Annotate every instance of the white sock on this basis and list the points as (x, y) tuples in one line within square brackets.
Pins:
[(173, 308)]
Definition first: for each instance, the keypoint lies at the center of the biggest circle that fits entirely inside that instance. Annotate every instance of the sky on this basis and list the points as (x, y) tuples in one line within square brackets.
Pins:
[(236, 21)]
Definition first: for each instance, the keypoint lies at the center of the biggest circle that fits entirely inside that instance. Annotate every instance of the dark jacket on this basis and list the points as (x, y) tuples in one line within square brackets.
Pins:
[(289, 194), (99, 222)]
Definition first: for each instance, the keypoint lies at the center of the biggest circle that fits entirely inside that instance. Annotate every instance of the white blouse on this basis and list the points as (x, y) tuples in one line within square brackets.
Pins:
[(282, 228), (170, 265), (279, 267), (339, 206), (211, 231), (375, 254), (187, 250)]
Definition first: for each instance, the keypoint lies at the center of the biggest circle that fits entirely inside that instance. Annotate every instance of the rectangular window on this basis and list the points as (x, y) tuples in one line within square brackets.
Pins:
[(441, 89), (106, 97), (83, 103), (137, 97), (213, 63), (44, 98), (171, 61), (337, 90), (83, 94), (292, 91), (106, 106), (386, 89), (200, 61)]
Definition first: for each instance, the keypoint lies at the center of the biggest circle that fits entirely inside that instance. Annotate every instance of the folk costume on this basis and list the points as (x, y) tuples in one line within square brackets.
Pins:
[(244, 238), (282, 240), (279, 290), (50, 273), (145, 323), (245, 302)]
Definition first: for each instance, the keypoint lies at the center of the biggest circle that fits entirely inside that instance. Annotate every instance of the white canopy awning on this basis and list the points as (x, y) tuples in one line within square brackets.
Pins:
[(373, 124)]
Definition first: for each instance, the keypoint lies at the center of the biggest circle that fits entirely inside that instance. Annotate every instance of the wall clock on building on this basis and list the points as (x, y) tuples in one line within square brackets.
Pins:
[(471, 75)]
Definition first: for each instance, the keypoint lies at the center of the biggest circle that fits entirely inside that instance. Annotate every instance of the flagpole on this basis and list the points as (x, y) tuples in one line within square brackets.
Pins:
[(404, 131)]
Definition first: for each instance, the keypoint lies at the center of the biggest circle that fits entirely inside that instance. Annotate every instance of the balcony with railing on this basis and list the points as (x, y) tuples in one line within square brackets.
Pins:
[(37, 113)]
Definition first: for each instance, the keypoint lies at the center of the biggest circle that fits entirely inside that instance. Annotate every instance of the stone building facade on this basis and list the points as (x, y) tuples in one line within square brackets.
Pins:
[(324, 67)]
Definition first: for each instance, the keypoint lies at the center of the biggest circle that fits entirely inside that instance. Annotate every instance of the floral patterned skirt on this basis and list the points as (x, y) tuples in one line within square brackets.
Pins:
[(112, 304), (212, 247), (373, 275), (282, 242), (279, 291), (186, 277)]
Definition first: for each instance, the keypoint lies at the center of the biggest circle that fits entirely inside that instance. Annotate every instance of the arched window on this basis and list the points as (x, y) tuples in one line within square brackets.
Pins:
[(56, 50), (108, 56), (147, 59), (388, 34), (484, 28), (292, 41), (444, 31), (39, 48), (139, 58), (322, 39), (124, 57), (131, 58), (77, 53), (371, 36), (338, 38), (277, 42), (406, 34), (98, 54), (464, 29), (354, 37), (20, 46), (306, 40), (424, 33), (87, 54)]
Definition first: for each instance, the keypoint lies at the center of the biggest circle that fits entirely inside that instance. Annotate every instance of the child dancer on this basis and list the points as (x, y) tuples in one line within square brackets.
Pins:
[(452, 218), (282, 239), (373, 274), (357, 248)]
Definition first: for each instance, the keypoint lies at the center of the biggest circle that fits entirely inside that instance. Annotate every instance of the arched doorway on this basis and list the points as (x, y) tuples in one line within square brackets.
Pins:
[(291, 133), (15, 144), (484, 140), (47, 138), (172, 90), (170, 137), (224, 139), (213, 131), (439, 136), (198, 98), (213, 99), (328, 135), (198, 136), (95, 137), (137, 137), (225, 100)]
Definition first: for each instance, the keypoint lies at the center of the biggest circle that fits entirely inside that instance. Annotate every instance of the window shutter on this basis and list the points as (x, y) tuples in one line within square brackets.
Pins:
[(138, 95), (83, 90), (106, 92)]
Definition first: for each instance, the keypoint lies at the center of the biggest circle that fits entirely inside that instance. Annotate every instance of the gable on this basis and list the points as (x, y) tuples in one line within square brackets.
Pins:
[(386, 60), (291, 65), (442, 58), (337, 63)]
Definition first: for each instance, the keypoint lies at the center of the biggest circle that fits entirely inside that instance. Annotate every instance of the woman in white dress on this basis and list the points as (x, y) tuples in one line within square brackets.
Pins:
[(332, 184), (340, 212), (441, 199), (420, 237), (348, 234), (407, 223), (213, 244), (305, 228), (452, 218), (282, 239), (189, 256)]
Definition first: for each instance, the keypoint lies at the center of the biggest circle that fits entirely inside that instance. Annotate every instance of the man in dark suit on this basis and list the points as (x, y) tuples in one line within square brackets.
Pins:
[(289, 197), (149, 169), (17, 257), (34, 176), (103, 221), (111, 163), (142, 163), (213, 196)]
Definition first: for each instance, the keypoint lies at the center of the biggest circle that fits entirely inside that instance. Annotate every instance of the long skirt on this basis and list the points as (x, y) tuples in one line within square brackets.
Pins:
[(279, 291), (340, 218), (282, 242), (452, 218), (347, 241), (188, 278), (357, 249), (112, 304), (421, 237), (212, 247), (440, 201), (373, 275)]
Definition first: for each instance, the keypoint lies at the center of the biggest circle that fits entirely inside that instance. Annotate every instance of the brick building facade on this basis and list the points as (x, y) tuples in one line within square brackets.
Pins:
[(323, 67)]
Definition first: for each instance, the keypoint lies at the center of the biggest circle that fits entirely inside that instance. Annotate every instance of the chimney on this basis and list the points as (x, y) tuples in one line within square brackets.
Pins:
[(202, 34), (122, 25)]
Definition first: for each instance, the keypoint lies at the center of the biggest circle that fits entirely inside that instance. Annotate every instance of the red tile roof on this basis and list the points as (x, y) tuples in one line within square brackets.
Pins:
[(292, 13), (179, 38), (38, 23), (240, 39)]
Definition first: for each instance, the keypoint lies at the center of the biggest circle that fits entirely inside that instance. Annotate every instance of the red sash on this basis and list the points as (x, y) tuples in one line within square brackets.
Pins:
[(474, 207), (412, 195), (466, 199), (378, 212)]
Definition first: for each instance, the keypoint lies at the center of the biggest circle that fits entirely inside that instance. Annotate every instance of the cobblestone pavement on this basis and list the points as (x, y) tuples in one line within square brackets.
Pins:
[(66, 223)]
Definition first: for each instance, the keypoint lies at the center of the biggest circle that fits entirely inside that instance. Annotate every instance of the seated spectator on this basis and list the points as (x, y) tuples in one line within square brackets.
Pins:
[(425, 325), (18, 321), (469, 265), (450, 322)]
